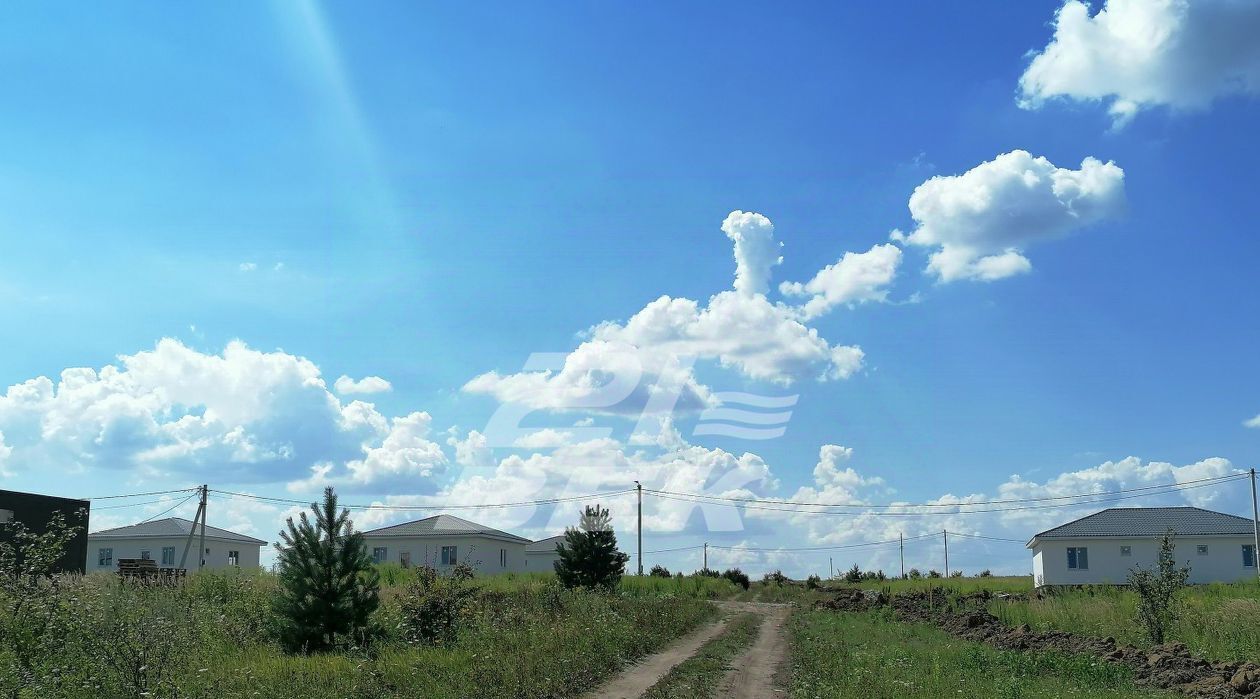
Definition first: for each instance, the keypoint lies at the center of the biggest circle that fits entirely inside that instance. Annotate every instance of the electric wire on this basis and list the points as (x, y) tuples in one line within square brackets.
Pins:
[(378, 506)]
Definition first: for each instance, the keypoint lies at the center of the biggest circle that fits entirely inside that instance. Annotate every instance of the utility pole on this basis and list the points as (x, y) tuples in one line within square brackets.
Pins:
[(201, 547), (706, 555), (639, 487), (945, 534), (901, 538), (831, 569), (201, 509), (1255, 523)]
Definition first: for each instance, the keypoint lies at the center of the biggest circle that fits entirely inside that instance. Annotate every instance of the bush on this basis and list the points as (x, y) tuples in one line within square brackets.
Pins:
[(812, 582), (708, 573), (775, 577), (854, 575), (934, 574), (328, 587), (986, 573), (433, 606), (1158, 604), (589, 557), (914, 574), (956, 574), (659, 571), (738, 577), (874, 575)]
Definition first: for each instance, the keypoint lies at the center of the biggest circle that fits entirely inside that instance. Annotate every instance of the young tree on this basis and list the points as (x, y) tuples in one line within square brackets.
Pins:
[(659, 571), (1157, 589), (589, 555), (854, 574), (328, 587)]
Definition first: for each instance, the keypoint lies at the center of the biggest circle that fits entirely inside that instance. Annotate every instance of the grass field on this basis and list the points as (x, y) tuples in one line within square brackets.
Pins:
[(1220, 622), (215, 636), (870, 655)]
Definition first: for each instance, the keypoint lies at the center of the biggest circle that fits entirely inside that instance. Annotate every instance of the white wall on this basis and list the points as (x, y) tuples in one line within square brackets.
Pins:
[(541, 561), (132, 548), (1223, 562), (480, 552)]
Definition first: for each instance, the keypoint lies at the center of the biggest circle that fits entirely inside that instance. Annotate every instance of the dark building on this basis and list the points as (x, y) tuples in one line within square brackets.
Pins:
[(35, 511)]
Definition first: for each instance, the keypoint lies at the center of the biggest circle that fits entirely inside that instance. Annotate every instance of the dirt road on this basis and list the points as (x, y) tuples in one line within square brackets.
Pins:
[(751, 675)]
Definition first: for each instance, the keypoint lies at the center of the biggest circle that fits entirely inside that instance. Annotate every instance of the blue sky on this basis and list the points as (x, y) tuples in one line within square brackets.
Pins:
[(429, 193)]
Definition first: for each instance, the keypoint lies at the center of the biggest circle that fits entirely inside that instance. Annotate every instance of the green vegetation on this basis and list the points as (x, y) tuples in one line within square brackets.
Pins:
[(1219, 621), (1014, 584), (700, 675), (328, 588), (589, 557), (218, 635), (870, 655), (1158, 592)]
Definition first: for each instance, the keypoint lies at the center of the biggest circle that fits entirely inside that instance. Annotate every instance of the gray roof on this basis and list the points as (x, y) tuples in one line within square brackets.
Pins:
[(547, 545), (171, 527), (1151, 522), (443, 525)]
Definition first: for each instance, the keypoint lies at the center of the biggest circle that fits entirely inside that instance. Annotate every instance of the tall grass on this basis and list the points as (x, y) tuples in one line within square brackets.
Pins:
[(871, 655), (1011, 584), (216, 636), (1220, 621)]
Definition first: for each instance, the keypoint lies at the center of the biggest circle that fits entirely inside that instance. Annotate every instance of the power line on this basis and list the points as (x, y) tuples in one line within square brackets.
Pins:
[(789, 506), (864, 544), (172, 509), (130, 504), (1169, 487), (137, 495), (528, 503)]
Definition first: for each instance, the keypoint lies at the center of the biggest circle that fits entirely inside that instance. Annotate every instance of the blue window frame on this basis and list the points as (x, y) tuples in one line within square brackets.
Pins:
[(1078, 558)]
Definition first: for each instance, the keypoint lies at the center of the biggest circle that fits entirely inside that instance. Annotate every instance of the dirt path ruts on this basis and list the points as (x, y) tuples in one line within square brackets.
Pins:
[(638, 678), (752, 675)]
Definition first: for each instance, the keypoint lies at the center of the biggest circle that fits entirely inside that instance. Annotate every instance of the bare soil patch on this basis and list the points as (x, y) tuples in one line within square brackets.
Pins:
[(753, 674)]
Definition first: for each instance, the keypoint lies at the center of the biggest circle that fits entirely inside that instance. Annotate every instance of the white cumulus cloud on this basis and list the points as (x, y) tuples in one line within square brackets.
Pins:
[(982, 221), (857, 277), (368, 384), (756, 250), (1253, 422), (1138, 54)]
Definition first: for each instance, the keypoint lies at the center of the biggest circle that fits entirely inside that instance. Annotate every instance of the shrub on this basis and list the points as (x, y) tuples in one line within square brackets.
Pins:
[(589, 557), (1157, 590), (328, 587), (986, 573), (934, 574), (874, 575), (775, 577), (738, 577), (433, 606), (812, 582), (708, 573), (854, 575), (956, 574), (914, 574)]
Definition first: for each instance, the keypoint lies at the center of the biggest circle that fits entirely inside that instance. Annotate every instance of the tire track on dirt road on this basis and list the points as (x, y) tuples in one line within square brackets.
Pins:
[(752, 675)]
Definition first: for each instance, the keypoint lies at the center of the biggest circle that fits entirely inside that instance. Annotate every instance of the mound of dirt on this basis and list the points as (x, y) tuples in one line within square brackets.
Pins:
[(1168, 666)]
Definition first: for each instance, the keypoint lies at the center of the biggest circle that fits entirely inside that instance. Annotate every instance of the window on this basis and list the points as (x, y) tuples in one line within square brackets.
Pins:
[(234, 558), (405, 559), (105, 557), (380, 554), (448, 556), (168, 555), (6, 516), (146, 556), (1249, 555), (502, 558), (1078, 558), (1126, 550), (1201, 549)]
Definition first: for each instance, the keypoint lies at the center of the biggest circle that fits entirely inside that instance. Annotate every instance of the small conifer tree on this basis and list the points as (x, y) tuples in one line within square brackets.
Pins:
[(328, 587), (589, 555), (1158, 607)]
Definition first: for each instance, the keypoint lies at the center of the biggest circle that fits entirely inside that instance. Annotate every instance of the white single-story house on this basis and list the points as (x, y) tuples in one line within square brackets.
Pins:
[(541, 556), (163, 541), (1103, 547), (442, 541)]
